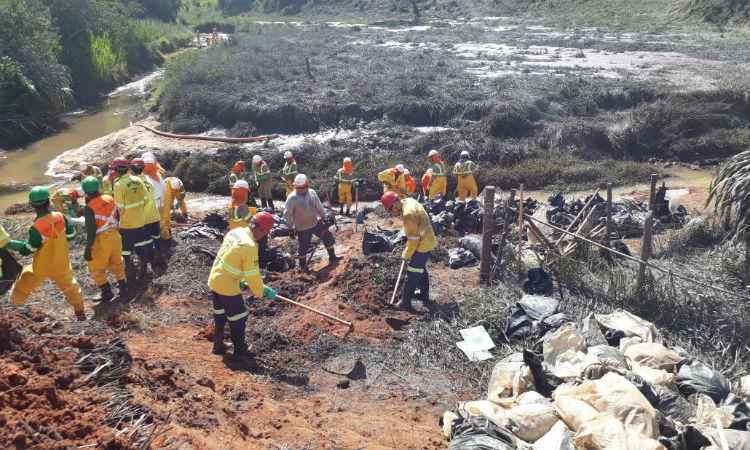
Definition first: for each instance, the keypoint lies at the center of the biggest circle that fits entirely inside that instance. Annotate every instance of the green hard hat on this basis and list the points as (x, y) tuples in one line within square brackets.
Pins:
[(90, 185), (39, 194)]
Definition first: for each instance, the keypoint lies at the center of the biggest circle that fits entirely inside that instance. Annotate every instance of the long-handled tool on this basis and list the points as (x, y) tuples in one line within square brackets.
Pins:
[(326, 315), (356, 204), (398, 281)]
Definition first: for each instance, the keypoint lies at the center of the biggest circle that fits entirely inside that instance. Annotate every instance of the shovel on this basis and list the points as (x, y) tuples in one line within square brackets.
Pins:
[(398, 281), (326, 315)]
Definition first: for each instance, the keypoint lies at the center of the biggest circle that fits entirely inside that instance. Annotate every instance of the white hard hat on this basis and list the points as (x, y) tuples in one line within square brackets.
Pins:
[(400, 167), (83, 165), (257, 159), (300, 180), (347, 159), (148, 155), (464, 153), (288, 155), (432, 153), (149, 159), (176, 183), (241, 184), (406, 172)]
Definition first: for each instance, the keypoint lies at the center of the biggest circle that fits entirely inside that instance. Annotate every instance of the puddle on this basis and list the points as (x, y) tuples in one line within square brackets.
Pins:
[(204, 203), (294, 141)]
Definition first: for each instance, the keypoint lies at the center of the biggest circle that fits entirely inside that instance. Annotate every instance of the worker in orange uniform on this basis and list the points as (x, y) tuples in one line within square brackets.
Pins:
[(152, 226), (130, 198), (425, 185), (439, 179), (65, 200), (411, 184), (345, 179), (420, 242), (48, 242), (264, 182), (238, 173), (236, 266), (103, 241), (466, 186), (289, 172), (393, 180), (239, 213), (174, 194)]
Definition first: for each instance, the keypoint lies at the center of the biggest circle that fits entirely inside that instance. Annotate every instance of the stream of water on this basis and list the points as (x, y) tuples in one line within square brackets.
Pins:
[(27, 166)]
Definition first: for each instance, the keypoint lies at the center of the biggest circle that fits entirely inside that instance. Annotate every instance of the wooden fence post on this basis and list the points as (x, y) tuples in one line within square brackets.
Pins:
[(488, 230), (520, 224), (645, 250), (609, 214), (747, 257), (652, 193), (506, 229)]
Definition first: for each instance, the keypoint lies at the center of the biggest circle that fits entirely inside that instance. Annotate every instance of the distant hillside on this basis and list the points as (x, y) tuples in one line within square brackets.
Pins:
[(720, 11)]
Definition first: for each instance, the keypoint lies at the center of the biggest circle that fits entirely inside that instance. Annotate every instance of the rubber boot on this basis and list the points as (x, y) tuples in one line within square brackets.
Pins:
[(237, 333), (303, 265), (332, 258), (341, 210), (348, 211), (81, 316), (424, 294), (144, 276), (131, 272), (219, 347), (125, 291), (406, 296), (158, 263), (106, 294)]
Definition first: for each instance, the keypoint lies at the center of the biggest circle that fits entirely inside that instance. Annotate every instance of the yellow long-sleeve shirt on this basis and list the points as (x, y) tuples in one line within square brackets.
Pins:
[(236, 261), (393, 182), (418, 229), (130, 197)]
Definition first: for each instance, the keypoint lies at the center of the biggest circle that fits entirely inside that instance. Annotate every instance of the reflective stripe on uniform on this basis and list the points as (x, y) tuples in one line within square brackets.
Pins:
[(219, 311), (237, 317), (236, 272), (33, 249), (414, 269), (143, 243), (125, 253), (130, 205), (110, 222), (413, 238)]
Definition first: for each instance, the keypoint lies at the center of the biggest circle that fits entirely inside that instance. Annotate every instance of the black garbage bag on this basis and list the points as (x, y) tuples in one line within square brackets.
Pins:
[(478, 433), (277, 260), (696, 377), (557, 200), (11, 270), (375, 243), (435, 206), (672, 404), (458, 257), (520, 325), (689, 439), (526, 319), (472, 244), (441, 222), (538, 281), (740, 411), (555, 321), (544, 381), (216, 220), (202, 231)]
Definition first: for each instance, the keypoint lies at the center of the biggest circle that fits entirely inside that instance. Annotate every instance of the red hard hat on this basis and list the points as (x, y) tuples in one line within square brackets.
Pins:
[(264, 221), (137, 162), (388, 199), (119, 162)]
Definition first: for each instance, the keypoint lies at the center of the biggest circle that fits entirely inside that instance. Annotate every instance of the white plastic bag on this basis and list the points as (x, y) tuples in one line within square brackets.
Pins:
[(630, 325), (559, 437), (654, 355), (563, 339), (571, 364), (610, 356), (532, 398), (510, 378), (530, 422), (486, 409), (654, 376), (605, 432), (707, 414), (574, 412), (448, 418)]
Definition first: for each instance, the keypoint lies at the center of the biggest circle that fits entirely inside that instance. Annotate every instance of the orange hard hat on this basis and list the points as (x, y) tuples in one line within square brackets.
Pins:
[(388, 199), (264, 221), (119, 162)]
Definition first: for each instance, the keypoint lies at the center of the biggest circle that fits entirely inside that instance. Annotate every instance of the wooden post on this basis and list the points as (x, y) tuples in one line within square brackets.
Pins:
[(488, 230), (506, 228), (520, 223), (645, 250), (609, 215), (747, 257), (652, 193)]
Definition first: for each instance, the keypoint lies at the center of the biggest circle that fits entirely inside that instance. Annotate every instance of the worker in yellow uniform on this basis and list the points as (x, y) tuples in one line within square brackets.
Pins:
[(174, 196), (103, 241), (393, 180), (439, 179), (87, 169), (239, 213), (264, 182), (289, 172), (130, 198), (466, 186), (152, 225), (109, 180), (236, 266), (420, 242), (345, 180), (48, 242), (65, 200)]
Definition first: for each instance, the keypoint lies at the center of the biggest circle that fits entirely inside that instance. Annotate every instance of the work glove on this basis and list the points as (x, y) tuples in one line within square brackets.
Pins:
[(243, 285), (87, 254), (269, 293), (405, 258)]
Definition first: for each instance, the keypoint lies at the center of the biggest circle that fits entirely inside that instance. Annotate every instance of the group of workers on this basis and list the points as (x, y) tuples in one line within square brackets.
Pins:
[(127, 213)]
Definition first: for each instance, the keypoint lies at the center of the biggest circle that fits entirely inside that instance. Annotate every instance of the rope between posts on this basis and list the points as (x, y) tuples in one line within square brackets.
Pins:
[(639, 261)]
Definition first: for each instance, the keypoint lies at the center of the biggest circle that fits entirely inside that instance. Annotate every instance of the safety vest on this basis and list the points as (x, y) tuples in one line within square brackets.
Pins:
[(105, 213), (130, 197), (467, 168), (149, 207), (438, 169), (239, 215), (234, 177), (53, 256), (237, 260), (289, 171), (261, 173), (108, 184), (417, 228), (426, 178), (344, 178), (411, 185)]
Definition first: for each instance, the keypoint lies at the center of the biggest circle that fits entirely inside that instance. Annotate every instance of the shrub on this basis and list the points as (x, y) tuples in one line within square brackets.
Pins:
[(511, 120)]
